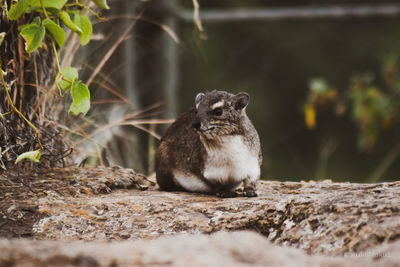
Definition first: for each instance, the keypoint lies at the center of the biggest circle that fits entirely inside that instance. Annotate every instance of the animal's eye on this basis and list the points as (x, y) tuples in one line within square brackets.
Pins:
[(217, 111)]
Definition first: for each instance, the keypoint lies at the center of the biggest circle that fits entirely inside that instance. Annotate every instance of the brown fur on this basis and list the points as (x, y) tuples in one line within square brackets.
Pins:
[(183, 147)]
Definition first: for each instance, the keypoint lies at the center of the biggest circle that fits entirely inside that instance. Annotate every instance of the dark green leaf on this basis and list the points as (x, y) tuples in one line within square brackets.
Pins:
[(36, 20), (33, 35), (18, 9), (64, 16), (101, 3), (84, 24), (57, 32)]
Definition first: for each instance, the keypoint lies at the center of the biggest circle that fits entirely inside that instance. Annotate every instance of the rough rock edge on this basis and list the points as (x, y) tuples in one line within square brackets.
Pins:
[(318, 217), (222, 249)]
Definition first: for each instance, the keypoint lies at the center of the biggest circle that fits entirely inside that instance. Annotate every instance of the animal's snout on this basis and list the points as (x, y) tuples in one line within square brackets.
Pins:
[(196, 124)]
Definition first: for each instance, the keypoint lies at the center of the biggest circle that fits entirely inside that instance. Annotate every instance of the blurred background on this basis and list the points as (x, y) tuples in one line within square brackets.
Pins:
[(322, 75)]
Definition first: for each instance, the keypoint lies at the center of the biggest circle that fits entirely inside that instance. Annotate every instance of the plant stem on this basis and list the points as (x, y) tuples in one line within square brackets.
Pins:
[(18, 112), (196, 16), (384, 165), (97, 14), (58, 64), (111, 51), (44, 9), (56, 55), (5, 114)]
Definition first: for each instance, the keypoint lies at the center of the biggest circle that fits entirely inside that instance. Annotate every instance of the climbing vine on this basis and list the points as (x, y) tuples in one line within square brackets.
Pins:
[(46, 21)]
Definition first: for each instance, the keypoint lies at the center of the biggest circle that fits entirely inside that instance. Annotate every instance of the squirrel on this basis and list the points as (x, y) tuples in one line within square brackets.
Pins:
[(212, 148)]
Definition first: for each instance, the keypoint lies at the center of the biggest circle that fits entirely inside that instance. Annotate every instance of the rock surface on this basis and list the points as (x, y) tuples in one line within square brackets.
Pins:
[(221, 249), (102, 204)]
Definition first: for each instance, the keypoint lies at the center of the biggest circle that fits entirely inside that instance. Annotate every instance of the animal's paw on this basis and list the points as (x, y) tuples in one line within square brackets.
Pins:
[(250, 192), (226, 194)]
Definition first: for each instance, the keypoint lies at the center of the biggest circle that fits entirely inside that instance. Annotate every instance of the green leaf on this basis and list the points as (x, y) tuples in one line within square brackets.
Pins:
[(66, 77), (84, 24), (33, 35), (101, 3), (64, 16), (57, 4), (30, 155), (79, 92), (57, 32), (36, 20), (81, 98), (18, 9), (83, 107)]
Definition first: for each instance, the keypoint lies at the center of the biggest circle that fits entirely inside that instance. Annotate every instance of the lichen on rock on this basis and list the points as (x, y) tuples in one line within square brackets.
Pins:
[(115, 204)]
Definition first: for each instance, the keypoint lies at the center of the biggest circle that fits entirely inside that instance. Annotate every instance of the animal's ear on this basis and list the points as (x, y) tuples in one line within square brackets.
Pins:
[(198, 99), (241, 100)]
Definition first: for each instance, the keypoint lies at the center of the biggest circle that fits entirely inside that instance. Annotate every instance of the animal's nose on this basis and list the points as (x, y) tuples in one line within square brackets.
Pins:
[(196, 124)]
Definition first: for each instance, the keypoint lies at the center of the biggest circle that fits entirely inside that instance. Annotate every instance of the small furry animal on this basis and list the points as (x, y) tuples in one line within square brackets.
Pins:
[(211, 148)]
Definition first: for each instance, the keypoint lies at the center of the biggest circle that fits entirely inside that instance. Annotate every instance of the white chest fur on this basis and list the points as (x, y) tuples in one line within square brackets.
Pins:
[(232, 161)]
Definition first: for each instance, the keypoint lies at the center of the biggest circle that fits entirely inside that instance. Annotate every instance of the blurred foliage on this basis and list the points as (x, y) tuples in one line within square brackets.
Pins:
[(274, 61), (372, 107)]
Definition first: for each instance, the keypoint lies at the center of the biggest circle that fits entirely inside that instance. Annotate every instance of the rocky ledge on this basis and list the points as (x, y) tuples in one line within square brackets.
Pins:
[(102, 204), (221, 249)]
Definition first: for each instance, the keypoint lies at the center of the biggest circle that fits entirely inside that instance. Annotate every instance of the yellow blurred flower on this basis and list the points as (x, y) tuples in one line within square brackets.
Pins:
[(309, 116)]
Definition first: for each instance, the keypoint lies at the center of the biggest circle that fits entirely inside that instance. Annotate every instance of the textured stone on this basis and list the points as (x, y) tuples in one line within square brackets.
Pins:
[(101, 204), (221, 249), (319, 217)]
